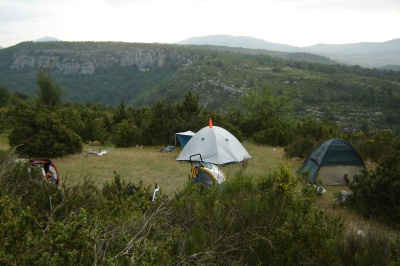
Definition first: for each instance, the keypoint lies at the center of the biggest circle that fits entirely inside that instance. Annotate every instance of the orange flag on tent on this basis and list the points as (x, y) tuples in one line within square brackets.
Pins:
[(210, 124)]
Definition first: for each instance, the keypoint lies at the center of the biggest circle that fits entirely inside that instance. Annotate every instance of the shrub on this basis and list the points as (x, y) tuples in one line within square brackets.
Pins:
[(300, 147), (373, 247), (125, 134), (376, 193), (270, 220), (271, 223), (40, 133)]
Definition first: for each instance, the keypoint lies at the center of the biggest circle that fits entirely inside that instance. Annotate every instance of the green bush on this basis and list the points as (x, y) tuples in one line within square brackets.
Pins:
[(268, 223), (38, 132), (308, 134), (376, 193), (300, 147), (125, 134), (270, 220)]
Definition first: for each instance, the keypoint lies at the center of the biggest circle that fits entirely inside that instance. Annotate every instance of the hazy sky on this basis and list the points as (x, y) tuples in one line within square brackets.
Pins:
[(292, 22)]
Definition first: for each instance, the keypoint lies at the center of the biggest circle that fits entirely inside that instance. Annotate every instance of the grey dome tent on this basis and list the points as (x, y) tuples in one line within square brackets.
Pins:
[(216, 145), (331, 161)]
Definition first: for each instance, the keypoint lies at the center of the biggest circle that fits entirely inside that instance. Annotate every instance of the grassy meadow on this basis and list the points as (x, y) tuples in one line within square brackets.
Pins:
[(150, 166)]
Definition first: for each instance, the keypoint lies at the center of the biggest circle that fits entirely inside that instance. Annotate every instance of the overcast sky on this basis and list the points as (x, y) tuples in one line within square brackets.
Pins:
[(292, 22)]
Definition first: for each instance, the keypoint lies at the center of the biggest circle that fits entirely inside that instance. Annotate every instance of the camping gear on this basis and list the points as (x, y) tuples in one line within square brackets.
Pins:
[(206, 173), (331, 161), (168, 149), (156, 189), (216, 145), (184, 137), (49, 170)]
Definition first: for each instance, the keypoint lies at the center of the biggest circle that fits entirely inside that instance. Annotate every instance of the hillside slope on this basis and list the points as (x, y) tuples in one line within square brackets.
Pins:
[(140, 74)]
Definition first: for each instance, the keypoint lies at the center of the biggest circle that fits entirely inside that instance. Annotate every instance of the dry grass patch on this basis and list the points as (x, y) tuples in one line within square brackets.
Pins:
[(353, 220), (149, 165)]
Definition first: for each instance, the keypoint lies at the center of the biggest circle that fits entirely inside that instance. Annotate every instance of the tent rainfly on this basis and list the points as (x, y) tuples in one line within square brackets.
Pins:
[(216, 145), (331, 161), (183, 137)]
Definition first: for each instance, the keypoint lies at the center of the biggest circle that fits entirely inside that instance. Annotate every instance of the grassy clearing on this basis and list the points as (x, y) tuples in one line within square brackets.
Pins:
[(149, 165)]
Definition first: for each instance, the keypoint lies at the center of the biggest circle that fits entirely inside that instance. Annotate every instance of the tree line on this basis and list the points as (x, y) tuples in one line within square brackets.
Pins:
[(47, 126)]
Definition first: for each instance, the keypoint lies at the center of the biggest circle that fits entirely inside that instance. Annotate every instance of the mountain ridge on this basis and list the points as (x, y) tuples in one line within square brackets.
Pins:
[(365, 54), (383, 55)]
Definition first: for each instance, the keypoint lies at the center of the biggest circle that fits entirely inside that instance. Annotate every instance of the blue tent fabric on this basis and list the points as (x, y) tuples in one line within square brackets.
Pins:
[(184, 137)]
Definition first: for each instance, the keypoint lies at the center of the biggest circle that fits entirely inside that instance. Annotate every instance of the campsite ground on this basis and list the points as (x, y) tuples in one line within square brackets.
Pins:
[(150, 166)]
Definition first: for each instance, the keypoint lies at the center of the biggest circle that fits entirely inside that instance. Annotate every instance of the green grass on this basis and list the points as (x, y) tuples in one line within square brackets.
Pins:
[(149, 165)]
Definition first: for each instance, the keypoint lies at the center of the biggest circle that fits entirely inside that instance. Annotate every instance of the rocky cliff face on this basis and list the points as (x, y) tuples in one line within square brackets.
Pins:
[(86, 62)]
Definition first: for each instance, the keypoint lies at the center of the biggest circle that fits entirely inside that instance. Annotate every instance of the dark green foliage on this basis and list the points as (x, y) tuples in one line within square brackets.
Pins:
[(374, 144), (308, 134), (49, 93), (125, 134), (4, 95), (39, 132), (88, 122), (189, 113), (262, 115), (120, 114), (278, 134), (376, 193), (162, 124), (267, 222)]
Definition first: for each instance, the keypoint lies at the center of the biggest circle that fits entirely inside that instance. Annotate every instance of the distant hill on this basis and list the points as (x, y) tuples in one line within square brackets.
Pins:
[(363, 48), (48, 39), (365, 54), (241, 42)]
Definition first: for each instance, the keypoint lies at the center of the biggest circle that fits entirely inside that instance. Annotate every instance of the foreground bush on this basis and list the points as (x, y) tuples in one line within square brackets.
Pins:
[(376, 194), (270, 221)]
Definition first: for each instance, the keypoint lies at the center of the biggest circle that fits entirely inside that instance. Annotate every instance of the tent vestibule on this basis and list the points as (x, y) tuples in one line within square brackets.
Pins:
[(183, 137)]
